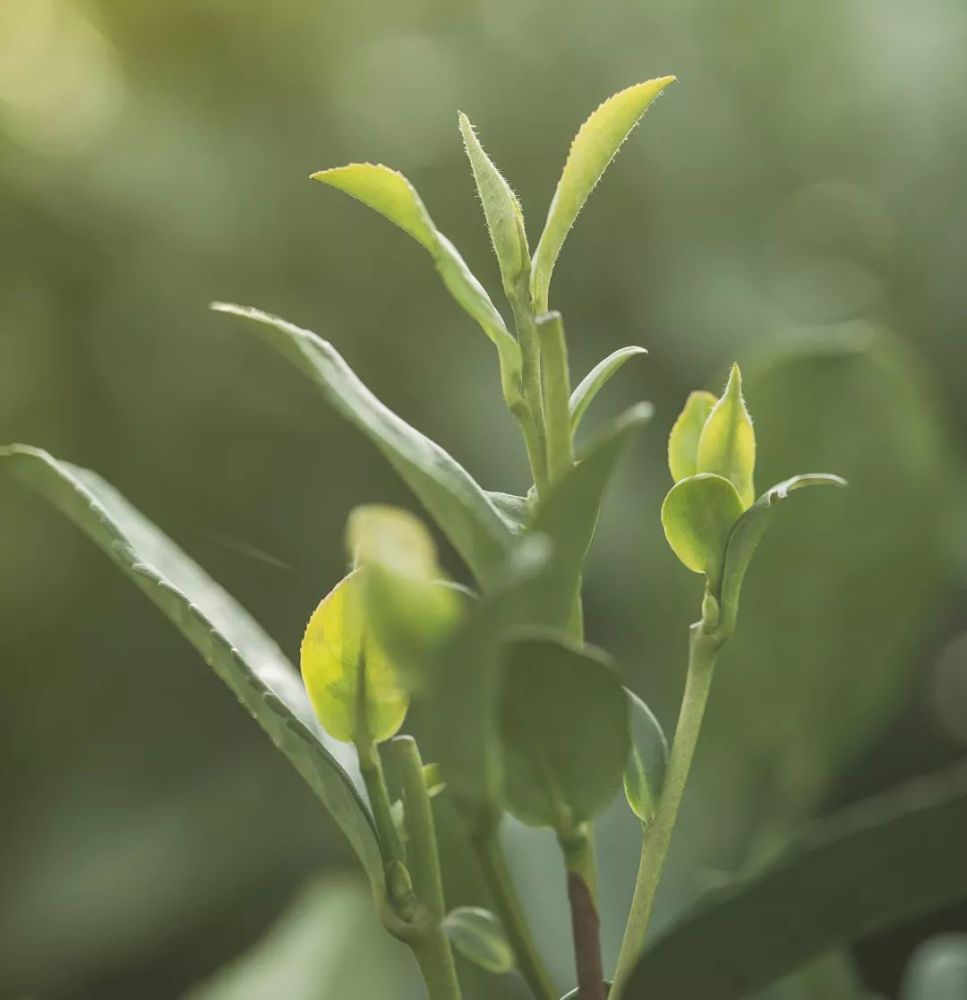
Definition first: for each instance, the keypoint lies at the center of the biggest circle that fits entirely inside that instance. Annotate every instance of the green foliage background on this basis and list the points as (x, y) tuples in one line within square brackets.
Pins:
[(796, 201)]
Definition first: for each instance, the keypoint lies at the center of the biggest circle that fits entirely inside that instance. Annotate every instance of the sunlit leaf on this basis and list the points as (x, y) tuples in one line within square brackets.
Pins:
[(234, 645), (593, 148), (891, 859), (596, 380), (748, 532), (685, 434), (388, 192), (727, 443), (698, 516), (645, 772), (564, 732), (568, 516), (458, 505), (479, 936), (505, 219), (353, 687)]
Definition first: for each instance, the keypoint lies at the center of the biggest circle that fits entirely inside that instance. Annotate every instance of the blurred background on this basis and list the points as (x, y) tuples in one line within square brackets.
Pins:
[(796, 201)]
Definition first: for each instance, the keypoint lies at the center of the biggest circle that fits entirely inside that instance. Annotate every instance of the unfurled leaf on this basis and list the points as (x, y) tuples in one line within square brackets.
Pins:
[(938, 970), (568, 516), (593, 148), (388, 192), (685, 434), (456, 502), (228, 638), (892, 858), (353, 687), (409, 609), (505, 219), (564, 732), (645, 772), (597, 379), (748, 532), (480, 937), (698, 516), (726, 446)]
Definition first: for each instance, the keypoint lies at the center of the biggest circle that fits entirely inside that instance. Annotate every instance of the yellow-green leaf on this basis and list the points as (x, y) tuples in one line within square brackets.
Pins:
[(685, 434), (505, 219), (352, 685), (698, 515), (727, 443), (593, 148), (388, 192)]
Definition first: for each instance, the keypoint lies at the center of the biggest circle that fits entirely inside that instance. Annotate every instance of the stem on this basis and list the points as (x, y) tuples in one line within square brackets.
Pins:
[(373, 777), (431, 945), (702, 650), (530, 349), (556, 383), (494, 867), (585, 923)]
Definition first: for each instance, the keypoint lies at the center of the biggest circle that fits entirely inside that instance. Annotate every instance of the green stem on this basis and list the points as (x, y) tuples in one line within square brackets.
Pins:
[(371, 768), (585, 923), (486, 843), (703, 648), (530, 349), (556, 384), (430, 945)]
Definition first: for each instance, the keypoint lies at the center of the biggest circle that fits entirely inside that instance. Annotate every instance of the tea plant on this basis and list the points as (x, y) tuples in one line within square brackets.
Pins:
[(523, 716)]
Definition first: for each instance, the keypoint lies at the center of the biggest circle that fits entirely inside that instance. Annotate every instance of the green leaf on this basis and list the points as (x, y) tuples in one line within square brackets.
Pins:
[(408, 607), (505, 219), (515, 510), (233, 644), (881, 863), (479, 936), (593, 148), (698, 516), (596, 380), (564, 733), (353, 686), (727, 443), (645, 772), (458, 505), (685, 434), (388, 192), (568, 516), (748, 532), (938, 970)]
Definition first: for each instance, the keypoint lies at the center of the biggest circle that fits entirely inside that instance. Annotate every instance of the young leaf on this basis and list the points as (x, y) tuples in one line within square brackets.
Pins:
[(352, 685), (459, 506), (645, 771), (568, 517), (698, 516), (394, 197), (505, 219), (593, 148), (232, 642), (686, 431), (748, 532), (596, 380), (564, 733), (726, 446), (479, 936), (893, 859)]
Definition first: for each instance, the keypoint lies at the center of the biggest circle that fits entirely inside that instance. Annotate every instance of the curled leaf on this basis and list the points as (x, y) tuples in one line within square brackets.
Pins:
[(726, 446), (698, 516), (685, 433), (479, 936), (645, 771), (352, 685), (505, 219), (596, 380), (593, 148)]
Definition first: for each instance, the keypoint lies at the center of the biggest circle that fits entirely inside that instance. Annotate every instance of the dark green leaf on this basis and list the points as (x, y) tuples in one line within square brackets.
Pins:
[(645, 772), (876, 865), (596, 379), (461, 508), (235, 646), (479, 936), (564, 732)]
